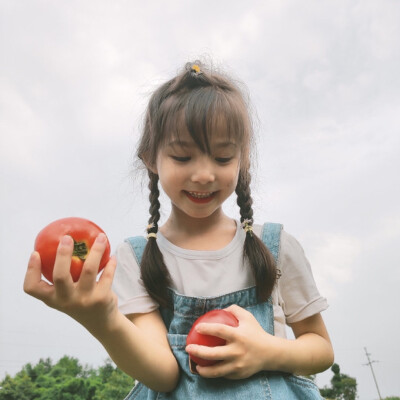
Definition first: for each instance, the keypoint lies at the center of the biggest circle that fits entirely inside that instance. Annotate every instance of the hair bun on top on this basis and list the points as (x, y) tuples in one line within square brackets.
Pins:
[(194, 67)]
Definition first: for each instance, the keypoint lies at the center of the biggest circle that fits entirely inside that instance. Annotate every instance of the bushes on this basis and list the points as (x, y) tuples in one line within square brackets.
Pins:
[(343, 387), (66, 380)]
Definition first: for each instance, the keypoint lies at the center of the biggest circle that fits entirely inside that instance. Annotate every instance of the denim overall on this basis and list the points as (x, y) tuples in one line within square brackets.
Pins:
[(179, 320)]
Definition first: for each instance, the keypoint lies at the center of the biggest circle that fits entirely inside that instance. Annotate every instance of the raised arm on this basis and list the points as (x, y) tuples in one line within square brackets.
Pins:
[(145, 356)]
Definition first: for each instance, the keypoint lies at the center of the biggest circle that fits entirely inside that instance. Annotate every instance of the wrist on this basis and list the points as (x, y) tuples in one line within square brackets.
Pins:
[(107, 327), (305, 355), (279, 355)]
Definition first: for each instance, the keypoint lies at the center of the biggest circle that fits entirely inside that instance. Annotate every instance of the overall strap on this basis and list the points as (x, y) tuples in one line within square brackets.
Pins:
[(271, 237), (138, 243)]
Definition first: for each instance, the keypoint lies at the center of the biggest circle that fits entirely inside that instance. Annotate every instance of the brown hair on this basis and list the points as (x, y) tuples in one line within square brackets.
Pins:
[(198, 100)]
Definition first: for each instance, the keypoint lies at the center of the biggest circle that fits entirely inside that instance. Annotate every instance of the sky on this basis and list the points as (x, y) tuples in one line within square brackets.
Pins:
[(324, 83)]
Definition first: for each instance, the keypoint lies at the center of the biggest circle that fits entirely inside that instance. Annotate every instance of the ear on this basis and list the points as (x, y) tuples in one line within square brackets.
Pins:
[(153, 169), (150, 165)]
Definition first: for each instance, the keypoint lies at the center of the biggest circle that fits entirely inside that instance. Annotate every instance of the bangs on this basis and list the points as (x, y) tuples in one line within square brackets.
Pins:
[(205, 113)]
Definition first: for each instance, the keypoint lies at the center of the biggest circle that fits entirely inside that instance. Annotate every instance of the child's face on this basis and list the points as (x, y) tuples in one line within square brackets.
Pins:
[(198, 183)]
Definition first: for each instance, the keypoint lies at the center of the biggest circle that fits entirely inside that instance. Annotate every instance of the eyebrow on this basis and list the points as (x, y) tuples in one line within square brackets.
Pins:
[(186, 144)]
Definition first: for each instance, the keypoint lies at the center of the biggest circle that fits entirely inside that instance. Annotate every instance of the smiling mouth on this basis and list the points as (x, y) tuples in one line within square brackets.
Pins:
[(200, 197)]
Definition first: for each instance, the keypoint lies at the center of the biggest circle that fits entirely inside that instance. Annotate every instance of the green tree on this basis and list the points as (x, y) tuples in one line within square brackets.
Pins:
[(343, 387), (21, 387), (117, 387), (66, 380)]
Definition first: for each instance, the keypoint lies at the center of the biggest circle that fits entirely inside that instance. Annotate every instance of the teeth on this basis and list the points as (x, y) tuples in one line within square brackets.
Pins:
[(200, 195)]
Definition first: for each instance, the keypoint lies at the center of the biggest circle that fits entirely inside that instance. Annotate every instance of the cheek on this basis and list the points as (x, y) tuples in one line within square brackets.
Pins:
[(231, 179), (171, 179)]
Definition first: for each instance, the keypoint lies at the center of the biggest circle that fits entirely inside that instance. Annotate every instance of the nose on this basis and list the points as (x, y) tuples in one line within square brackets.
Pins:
[(203, 171)]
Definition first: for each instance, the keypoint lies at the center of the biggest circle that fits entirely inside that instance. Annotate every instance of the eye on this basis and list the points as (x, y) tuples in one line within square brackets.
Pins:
[(180, 159), (223, 160)]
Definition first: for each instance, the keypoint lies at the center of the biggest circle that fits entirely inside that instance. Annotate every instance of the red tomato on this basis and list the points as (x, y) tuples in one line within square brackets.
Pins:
[(215, 316), (82, 231)]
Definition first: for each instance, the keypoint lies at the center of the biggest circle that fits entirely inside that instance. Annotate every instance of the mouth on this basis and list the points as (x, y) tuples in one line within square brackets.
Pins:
[(200, 197)]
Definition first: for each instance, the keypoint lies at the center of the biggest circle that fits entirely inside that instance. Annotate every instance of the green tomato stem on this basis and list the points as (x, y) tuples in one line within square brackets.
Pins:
[(80, 250)]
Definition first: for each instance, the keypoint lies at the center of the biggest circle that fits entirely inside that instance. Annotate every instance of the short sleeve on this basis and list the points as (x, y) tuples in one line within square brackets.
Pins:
[(299, 295), (128, 286)]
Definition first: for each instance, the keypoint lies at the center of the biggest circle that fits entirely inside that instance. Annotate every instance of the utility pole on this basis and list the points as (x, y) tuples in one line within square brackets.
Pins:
[(372, 370)]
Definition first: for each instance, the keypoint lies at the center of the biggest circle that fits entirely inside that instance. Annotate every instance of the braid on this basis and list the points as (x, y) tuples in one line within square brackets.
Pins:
[(154, 203), (244, 200), (155, 274), (261, 261)]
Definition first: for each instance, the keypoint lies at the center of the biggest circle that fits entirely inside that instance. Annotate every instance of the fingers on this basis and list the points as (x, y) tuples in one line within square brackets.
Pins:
[(231, 362), (62, 279), (33, 283), (90, 269), (216, 329), (218, 370), (216, 353), (106, 278), (238, 312), (33, 274), (221, 369)]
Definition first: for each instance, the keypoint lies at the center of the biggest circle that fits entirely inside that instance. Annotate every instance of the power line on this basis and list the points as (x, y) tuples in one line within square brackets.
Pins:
[(372, 370)]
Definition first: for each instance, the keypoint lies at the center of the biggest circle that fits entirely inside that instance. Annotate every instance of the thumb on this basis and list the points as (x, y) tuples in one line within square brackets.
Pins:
[(33, 284), (33, 272)]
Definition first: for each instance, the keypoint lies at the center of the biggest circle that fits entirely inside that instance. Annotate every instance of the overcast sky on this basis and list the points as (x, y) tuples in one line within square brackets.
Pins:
[(324, 81)]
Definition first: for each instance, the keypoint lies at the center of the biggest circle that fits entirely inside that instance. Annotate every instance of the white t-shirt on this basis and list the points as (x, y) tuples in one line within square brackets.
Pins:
[(214, 273)]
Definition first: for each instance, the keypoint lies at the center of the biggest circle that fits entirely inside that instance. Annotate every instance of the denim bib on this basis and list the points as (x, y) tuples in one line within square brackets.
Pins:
[(180, 318)]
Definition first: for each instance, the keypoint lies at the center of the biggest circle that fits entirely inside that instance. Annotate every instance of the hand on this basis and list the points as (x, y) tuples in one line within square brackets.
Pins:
[(89, 302), (249, 349)]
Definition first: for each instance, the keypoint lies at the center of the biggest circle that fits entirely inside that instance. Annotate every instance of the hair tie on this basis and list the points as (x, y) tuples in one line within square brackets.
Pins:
[(196, 69), (247, 226), (151, 234)]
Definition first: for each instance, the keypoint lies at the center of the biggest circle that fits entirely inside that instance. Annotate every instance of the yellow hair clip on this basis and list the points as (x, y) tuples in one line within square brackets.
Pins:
[(196, 68)]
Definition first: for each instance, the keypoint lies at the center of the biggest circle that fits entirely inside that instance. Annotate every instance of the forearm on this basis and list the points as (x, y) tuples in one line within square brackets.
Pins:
[(137, 355), (309, 354)]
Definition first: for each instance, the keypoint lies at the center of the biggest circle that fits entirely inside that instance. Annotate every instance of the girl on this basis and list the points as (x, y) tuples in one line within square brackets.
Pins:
[(196, 143)]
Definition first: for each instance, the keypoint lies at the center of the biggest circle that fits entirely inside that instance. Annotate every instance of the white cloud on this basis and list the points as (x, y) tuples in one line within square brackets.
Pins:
[(334, 259), (380, 29), (317, 80), (21, 130)]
